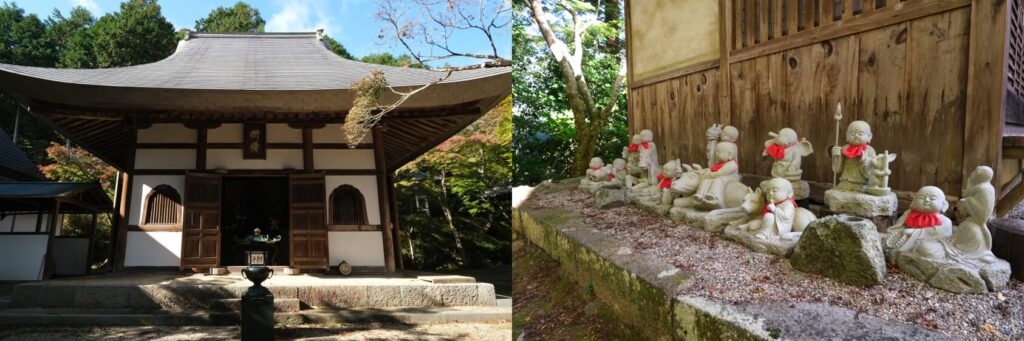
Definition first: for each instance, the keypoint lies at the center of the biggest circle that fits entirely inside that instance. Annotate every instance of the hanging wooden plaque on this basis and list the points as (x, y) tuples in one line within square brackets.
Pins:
[(254, 140)]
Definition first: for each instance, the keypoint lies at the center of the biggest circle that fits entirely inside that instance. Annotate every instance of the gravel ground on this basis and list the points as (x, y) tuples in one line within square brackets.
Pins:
[(447, 331), (730, 272)]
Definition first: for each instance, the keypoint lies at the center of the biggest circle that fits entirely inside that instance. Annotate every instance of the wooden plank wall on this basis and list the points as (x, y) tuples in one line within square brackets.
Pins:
[(901, 66)]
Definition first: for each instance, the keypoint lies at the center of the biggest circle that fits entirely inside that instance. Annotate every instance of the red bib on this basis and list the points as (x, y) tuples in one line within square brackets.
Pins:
[(611, 177), (920, 220), (595, 168), (765, 209), (854, 151), (645, 144), (776, 151), (634, 147), (719, 165), (664, 182)]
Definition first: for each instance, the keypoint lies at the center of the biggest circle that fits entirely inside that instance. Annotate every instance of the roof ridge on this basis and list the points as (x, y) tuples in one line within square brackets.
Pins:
[(195, 34)]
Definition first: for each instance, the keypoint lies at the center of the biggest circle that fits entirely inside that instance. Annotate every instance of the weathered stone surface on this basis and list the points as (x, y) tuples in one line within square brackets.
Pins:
[(801, 190), (384, 296), (485, 295), (328, 297), (713, 221), (101, 297), (776, 246), (589, 186), (860, 204), (844, 248), (610, 198), (960, 276)]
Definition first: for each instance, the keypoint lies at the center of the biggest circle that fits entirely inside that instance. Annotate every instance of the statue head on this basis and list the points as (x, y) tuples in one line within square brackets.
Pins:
[(730, 134), (725, 151), (980, 175), (786, 137), (858, 133), (647, 135), (672, 169), (619, 164), (596, 162), (930, 199), (777, 189), (637, 139)]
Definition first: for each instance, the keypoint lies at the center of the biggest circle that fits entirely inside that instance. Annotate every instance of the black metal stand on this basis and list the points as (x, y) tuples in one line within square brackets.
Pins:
[(257, 305)]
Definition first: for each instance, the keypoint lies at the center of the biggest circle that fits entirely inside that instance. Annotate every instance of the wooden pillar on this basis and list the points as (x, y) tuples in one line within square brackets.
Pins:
[(384, 199), (986, 66), (201, 138), (307, 148), (51, 229), (126, 201), (394, 221), (92, 243), (724, 47)]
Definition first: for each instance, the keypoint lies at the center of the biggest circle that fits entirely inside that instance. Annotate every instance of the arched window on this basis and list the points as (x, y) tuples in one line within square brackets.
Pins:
[(163, 206), (348, 207)]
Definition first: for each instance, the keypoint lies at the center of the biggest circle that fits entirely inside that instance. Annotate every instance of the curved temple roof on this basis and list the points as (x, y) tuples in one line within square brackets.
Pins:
[(238, 61), (234, 77)]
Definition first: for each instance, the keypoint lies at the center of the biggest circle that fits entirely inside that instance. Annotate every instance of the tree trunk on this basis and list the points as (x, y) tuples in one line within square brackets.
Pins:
[(451, 222)]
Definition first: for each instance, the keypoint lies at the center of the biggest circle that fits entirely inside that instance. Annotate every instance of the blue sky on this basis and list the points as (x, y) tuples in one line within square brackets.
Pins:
[(348, 21)]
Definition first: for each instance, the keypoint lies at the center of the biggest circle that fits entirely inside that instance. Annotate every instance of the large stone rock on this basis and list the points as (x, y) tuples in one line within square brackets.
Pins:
[(712, 221), (589, 186), (801, 190), (773, 245), (860, 204), (609, 197), (965, 276), (844, 248)]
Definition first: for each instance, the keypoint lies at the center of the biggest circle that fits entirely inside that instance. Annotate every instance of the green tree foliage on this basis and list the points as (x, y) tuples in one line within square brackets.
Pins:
[(384, 58), (544, 142), (455, 201), (239, 18), (72, 38), (138, 34), (337, 48)]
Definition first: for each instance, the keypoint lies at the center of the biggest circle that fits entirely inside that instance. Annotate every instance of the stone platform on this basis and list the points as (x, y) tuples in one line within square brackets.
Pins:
[(712, 221), (175, 292)]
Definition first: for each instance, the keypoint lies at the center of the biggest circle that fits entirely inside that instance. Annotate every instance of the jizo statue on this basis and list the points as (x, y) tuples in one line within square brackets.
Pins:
[(859, 167), (787, 151)]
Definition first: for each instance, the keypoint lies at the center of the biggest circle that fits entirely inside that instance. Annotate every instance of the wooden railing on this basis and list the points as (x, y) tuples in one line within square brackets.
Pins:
[(1015, 48)]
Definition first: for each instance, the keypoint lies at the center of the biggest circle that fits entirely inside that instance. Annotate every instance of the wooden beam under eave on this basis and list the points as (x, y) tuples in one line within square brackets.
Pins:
[(986, 67)]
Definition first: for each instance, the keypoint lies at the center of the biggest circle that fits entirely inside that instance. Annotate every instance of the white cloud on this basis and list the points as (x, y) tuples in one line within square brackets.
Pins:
[(88, 4), (304, 16)]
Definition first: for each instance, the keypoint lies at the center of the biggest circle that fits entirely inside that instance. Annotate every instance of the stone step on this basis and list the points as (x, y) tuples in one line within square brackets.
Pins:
[(122, 317), (447, 279), (5, 302), (286, 305)]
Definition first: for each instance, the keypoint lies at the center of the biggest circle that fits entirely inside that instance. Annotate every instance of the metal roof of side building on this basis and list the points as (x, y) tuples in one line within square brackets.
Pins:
[(14, 164)]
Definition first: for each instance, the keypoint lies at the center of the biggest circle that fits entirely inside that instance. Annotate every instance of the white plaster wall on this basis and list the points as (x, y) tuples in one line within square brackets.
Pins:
[(143, 184), (153, 249), (226, 133), (282, 133), (362, 248), (22, 257), (167, 133), (165, 158), (366, 184), (343, 159), (232, 159), (331, 133), (18, 223)]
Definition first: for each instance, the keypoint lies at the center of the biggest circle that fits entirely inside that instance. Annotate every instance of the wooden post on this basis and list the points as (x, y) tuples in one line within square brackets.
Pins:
[(986, 66), (307, 148), (724, 48), (126, 200), (394, 219), (51, 228), (201, 134), (383, 199)]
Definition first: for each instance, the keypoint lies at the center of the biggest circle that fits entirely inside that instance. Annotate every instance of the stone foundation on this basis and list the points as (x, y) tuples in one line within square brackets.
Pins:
[(965, 277), (776, 246), (860, 204)]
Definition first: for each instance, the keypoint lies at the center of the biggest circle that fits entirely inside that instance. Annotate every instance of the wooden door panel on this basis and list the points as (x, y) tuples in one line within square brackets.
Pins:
[(200, 238), (308, 230)]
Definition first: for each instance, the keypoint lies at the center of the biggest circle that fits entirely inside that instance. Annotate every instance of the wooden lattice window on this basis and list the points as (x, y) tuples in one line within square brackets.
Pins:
[(348, 207), (163, 206)]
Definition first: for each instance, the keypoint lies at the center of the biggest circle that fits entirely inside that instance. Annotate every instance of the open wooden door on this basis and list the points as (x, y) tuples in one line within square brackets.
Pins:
[(308, 228), (200, 237)]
